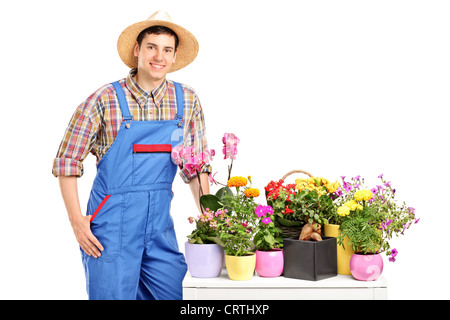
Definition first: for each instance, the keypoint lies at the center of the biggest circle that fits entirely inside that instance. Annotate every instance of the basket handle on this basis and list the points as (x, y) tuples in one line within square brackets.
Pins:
[(296, 171)]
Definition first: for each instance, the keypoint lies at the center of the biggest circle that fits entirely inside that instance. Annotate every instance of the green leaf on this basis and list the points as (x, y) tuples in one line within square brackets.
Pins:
[(223, 191), (216, 240), (210, 201), (269, 239)]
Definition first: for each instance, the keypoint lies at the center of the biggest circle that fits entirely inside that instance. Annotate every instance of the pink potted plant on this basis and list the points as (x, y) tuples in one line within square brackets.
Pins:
[(268, 242)]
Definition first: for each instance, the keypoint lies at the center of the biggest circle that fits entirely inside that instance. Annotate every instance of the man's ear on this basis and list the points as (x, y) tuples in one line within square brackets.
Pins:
[(136, 50)]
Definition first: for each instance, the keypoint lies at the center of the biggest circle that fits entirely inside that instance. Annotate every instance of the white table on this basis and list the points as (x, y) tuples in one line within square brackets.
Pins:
[(280, 288)]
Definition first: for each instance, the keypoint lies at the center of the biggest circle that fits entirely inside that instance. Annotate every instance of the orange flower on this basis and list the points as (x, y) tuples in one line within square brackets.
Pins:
[(251, 192), (237, 182)]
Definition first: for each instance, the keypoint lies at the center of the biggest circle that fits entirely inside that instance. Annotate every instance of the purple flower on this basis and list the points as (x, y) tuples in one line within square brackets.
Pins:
[(386, 224), (394, 253), (347, 186), (380, 176)]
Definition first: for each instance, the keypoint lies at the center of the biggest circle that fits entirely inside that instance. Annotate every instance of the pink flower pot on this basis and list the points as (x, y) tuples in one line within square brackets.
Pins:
[(269, 263), (366, 267)]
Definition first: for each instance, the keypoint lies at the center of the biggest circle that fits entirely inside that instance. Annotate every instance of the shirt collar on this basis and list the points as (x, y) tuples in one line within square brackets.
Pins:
[(141, 95)]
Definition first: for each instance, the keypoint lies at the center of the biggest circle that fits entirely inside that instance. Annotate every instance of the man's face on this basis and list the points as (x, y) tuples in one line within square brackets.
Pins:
[(155, 55)]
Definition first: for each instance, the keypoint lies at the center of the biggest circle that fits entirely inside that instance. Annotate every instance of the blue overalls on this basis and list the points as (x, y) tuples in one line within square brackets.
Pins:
[(130, 212)]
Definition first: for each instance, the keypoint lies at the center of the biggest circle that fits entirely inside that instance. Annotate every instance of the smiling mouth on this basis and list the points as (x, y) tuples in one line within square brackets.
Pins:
[(157, 66)]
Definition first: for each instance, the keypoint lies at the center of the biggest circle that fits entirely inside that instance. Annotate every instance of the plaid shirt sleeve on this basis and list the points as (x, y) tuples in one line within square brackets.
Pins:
[(194, 132), (78, 139)]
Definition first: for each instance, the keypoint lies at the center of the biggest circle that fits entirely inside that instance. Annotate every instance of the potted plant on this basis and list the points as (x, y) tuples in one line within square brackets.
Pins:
[(268, 242), (335, 219), (308, 256), (372, 218), (237, 241), (204, 253), (304, 205), (238, 233)]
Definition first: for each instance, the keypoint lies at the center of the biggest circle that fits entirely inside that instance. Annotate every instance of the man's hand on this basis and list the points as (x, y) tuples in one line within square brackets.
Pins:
[(86, 239), (80, 224)]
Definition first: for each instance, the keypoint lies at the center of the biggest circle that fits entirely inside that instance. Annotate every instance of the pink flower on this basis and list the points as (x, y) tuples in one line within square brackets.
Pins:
[(230, 142), (266, 220), (260, 211), (186, 157), (394, 253), (386, 224), (177, 152), (211, 179)]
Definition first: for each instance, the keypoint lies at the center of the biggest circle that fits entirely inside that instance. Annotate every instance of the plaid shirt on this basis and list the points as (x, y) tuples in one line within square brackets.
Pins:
[(96, 122)]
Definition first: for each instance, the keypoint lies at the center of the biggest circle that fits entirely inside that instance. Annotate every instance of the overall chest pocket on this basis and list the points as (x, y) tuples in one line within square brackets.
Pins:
[(151, 163)]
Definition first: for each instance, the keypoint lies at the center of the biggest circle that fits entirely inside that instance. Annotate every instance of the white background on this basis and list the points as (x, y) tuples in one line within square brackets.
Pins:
[(331, 87)]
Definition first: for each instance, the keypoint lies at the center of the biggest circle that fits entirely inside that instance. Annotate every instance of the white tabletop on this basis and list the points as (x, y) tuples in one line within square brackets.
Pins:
[(339, 281)]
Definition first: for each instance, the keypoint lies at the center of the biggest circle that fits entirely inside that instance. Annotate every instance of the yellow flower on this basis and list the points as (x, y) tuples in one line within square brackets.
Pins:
[(361, 195), (237, 182), (353, 205), (343, 211), (251, 192), (332, 187)]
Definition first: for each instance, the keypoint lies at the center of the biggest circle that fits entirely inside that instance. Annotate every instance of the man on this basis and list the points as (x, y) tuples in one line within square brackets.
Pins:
[(127, 239)]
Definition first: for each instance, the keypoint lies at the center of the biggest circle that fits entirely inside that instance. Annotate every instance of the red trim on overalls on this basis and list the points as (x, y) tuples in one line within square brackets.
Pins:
[(152, 148), (99, 207)]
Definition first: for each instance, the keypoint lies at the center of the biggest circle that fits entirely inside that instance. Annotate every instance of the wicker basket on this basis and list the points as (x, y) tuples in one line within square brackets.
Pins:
[(292, 232)]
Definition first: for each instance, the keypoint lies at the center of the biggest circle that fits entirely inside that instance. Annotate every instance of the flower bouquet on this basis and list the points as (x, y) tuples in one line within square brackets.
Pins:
[(371, 217), (308, 202)]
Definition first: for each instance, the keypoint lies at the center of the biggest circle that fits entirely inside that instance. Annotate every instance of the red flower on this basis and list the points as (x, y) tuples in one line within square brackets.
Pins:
[(287, 210)]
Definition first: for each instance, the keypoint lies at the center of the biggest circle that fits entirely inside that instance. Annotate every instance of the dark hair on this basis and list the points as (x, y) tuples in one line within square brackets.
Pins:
[(157, 30)]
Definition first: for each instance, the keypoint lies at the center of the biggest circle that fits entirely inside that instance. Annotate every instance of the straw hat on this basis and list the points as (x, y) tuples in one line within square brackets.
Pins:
[(187, 47)]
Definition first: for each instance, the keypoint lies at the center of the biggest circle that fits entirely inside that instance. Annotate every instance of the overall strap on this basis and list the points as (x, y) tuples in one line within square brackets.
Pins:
[(180, 103), (122, 103)]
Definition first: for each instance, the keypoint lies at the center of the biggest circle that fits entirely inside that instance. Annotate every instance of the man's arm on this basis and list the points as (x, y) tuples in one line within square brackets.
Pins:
[(195, 189), (80, 223)]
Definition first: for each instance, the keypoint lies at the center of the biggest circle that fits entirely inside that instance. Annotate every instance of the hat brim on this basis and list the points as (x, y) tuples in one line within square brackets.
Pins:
[(187, 44)]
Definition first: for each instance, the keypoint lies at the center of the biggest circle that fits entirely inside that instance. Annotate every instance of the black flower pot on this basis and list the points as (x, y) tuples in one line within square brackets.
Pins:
[(310, 260)]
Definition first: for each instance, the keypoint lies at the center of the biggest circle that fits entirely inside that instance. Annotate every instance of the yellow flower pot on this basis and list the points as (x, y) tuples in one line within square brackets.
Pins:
[(344, 253), (240, 267)]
